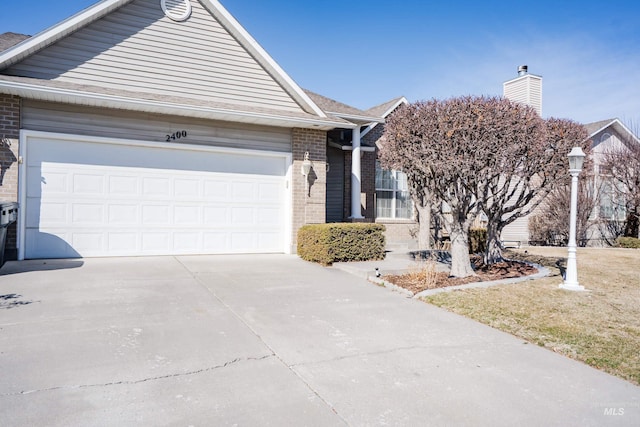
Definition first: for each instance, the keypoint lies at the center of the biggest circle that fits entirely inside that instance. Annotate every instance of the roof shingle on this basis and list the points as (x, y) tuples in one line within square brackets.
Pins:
[(8, 40)]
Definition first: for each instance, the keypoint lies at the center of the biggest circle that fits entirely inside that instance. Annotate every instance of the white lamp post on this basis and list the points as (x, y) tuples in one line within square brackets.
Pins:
[(576, 159)]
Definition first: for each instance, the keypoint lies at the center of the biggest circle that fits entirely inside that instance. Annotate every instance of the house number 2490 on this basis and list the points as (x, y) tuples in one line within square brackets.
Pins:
[(176, 135)]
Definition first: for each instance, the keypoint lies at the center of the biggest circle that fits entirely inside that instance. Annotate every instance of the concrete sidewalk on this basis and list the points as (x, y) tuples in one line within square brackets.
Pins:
[(268, 340)]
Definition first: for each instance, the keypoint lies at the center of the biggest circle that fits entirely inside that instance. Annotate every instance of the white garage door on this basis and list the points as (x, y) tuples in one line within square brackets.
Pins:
[(92, 198)]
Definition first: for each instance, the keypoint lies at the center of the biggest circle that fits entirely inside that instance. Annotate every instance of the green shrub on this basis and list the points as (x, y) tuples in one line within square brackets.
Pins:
[(628, 242), (329, 243), (477, 240)]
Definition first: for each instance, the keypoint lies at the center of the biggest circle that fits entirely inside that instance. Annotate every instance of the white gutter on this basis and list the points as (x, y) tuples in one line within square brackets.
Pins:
[(32, 91), (365, 119)]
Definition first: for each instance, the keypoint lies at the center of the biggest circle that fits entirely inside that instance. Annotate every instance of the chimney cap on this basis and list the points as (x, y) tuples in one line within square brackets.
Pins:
[(522, 70)]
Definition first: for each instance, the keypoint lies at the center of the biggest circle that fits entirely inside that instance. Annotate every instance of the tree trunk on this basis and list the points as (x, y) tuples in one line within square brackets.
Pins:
[(424, 223), (493, 253), (460, 261)]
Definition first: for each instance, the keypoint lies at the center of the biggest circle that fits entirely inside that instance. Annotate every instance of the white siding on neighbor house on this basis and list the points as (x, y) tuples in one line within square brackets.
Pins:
[(70, 119), (517, 231), (526, 90), (137, 48)]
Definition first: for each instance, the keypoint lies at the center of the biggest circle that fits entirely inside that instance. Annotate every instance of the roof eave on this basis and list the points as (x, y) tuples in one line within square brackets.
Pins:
[(363, 120), (30, 91), (620, 128), (391, 109)]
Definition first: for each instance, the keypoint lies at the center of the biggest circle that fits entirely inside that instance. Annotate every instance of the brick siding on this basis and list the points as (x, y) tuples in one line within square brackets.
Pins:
[(9, 132), (309, 202)]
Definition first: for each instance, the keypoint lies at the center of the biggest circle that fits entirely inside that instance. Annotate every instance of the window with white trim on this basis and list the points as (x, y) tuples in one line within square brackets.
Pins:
[(392, 195), (612, 203)]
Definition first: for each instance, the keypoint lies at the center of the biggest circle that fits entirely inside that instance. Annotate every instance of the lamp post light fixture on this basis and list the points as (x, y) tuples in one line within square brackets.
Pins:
[(576, 160), (305, 169), (306, 165)]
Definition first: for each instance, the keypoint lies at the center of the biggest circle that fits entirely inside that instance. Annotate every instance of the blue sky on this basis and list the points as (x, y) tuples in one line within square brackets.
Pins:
[(365, 52)]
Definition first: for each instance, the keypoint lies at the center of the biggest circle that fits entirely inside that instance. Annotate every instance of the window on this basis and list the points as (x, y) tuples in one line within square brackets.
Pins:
[(392, 195), (612, 205)]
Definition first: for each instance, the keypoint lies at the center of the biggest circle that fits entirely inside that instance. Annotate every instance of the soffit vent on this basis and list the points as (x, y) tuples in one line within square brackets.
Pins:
[(178, 10)]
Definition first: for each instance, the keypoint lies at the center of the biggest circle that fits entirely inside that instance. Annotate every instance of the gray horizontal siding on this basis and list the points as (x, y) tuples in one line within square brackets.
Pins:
[(137, 48), (59, 118)]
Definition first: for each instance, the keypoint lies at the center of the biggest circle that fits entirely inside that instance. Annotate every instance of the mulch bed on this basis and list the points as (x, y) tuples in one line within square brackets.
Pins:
[(417, 281)]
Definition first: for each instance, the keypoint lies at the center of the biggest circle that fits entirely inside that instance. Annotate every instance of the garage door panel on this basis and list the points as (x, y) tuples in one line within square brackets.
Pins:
[(216, 190), (123, 186), (113, 206), (155, 242), (55, 182), (121, 214), (87, 242), (88, 184), (242, 240), (187, 215), (267, 240), (155, 214), (187, 242), (243, 216), (244, 191), (214, 216), (87, 214), (269, 193), (269, 216), (156, 187), (216, 242), (121, 243), (186, 188), (47, 214)]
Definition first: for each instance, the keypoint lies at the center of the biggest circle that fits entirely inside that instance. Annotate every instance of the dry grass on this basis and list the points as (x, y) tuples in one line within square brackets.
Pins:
[(425, 273), (600, 327)]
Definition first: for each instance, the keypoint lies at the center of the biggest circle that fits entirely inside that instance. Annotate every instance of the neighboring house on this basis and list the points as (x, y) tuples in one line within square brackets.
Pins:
[(156, 127), (605, 135)]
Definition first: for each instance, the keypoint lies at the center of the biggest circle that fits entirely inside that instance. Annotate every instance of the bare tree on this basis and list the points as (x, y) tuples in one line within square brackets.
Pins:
[(472, 153), (421, 140), (550, 223), (533, 165)]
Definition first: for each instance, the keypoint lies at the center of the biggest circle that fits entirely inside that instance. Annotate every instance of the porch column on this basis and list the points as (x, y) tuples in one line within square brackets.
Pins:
[(356, 211)]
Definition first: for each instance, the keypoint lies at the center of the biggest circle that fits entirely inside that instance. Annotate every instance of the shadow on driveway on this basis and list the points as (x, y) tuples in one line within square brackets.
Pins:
[(15, 267)]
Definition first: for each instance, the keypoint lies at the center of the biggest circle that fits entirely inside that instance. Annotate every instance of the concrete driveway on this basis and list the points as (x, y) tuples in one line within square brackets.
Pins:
[(268, 340)]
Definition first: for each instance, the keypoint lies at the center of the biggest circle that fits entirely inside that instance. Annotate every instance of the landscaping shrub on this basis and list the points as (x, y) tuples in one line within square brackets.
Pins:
[(329, 243), (477, 240), (629, 242)]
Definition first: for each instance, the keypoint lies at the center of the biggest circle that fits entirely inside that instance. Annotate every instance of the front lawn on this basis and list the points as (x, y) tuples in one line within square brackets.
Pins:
[(600, 327)]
